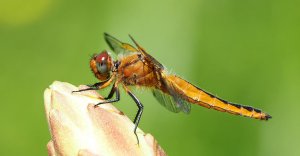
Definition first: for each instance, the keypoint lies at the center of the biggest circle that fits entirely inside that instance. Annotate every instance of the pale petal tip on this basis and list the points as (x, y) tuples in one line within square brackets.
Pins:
[(77, 126), (50, 148)]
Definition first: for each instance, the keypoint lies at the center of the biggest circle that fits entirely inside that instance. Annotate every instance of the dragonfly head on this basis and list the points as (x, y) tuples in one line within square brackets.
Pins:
[(101, 65)]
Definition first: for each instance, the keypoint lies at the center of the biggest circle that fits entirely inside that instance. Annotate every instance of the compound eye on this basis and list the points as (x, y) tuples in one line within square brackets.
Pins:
[(102, 67), (103, 62)]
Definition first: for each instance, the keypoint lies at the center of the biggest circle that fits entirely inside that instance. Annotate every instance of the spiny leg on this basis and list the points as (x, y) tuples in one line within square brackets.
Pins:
[(111, 93), (103, 84), (115, 89), (92, 87), (98, 85), (138, 114)]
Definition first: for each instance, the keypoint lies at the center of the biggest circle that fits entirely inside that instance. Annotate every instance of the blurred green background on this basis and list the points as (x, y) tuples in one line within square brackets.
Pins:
[(243, 51)]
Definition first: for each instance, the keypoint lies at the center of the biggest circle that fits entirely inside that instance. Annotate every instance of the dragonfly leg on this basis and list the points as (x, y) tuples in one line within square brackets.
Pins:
[(111, 93), (91, 87), (138, 114), (115, 89), (98, 85)]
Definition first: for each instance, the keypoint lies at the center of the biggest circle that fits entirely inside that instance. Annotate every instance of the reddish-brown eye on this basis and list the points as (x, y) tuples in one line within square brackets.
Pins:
[(103, 62)]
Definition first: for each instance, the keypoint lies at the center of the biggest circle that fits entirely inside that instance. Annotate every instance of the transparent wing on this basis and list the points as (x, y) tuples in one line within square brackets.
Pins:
[(172, 101), (166, 100), (148, 57), (117, 46), (183, 105)]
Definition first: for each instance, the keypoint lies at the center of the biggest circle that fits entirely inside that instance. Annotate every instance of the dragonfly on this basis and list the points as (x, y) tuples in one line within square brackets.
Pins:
[(135, 67)]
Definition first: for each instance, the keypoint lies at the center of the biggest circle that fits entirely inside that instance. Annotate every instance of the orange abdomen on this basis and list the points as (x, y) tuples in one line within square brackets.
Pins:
[(198, 96)]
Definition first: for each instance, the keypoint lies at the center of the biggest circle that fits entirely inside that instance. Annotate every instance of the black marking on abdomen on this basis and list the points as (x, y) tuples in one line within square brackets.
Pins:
[(250, 109), (236, 105), (257, 110)]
